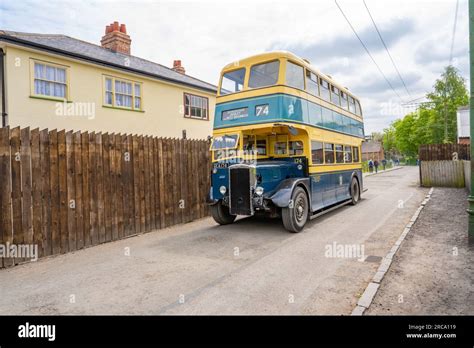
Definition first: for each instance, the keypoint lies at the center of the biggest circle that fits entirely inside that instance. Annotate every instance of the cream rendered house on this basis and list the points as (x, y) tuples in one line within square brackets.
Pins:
[(58, 82)]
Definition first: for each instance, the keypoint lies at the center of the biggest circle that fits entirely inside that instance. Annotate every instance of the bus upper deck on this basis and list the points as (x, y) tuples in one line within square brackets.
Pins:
[(281, 87)]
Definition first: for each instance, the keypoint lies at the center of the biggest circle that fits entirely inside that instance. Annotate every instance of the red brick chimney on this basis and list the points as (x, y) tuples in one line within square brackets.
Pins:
[(116, 38), (178, 67)]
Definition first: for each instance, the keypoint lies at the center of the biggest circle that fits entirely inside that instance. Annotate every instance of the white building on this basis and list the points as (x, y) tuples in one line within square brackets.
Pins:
[(463, 125)]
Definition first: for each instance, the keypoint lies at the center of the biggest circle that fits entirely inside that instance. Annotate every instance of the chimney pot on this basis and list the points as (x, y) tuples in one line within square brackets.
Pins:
[(178, 67), (116, 38)]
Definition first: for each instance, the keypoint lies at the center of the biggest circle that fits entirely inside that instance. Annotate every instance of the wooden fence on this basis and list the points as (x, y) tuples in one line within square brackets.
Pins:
[(442, 173), (443, 152), (66, 191)]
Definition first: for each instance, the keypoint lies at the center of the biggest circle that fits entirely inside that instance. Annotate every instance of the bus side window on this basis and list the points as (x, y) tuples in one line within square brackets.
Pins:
[(357, 108), (312, 83), (324, 89), (347, 154), (351, 105), (339, 154), (261, 147), (343, 100), (335, 95), (329, 153), (317, 152), (248, 142), (280, 148), (355, 152), (296, 148), (294, 75)]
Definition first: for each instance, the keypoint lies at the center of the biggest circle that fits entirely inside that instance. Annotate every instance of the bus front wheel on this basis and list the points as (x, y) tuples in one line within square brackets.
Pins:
[(221, 215), (294, 216), (355, 191)]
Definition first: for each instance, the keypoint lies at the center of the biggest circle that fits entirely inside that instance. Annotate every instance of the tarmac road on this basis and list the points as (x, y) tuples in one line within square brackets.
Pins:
[(253, 266)]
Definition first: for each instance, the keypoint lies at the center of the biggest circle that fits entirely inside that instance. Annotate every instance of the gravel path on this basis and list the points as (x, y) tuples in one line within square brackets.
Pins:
[(433, 271)]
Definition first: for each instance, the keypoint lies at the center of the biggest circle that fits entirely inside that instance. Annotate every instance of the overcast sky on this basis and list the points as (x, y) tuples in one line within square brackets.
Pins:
[(206, 35)]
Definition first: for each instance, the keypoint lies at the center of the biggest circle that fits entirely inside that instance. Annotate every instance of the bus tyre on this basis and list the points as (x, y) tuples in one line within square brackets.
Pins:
[(295, 216), (221, 214), (355, 191)]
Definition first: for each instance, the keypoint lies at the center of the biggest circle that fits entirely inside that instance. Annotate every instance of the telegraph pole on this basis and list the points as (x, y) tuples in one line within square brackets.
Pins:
[(471, 119)]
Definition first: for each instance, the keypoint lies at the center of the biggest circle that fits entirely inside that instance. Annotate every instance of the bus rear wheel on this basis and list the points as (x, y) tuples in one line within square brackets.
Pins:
[(294, 217), (355, 191), (221, 215)]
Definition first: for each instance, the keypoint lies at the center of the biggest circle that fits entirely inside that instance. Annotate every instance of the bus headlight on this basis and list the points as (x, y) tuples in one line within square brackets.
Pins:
[(214, 170), (222, 190), (259, 191), (299, 167)]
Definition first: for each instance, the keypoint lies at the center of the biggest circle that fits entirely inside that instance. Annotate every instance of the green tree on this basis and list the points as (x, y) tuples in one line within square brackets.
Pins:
[(434, 122), (449, 93)]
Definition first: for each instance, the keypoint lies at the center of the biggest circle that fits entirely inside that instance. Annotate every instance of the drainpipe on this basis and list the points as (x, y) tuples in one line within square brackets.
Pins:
[(470, 210), (2, 88)]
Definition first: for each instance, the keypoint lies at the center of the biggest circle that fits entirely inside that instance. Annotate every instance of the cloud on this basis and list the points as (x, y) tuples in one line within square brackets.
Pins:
[(345, 45)]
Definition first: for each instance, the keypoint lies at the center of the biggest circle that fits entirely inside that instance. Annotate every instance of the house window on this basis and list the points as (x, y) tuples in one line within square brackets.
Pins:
[(50, 80), (196, 107), (122, 93)]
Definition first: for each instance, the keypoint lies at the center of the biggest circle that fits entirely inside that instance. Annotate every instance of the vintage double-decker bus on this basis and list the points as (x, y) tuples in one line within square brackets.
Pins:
[(286, 142)]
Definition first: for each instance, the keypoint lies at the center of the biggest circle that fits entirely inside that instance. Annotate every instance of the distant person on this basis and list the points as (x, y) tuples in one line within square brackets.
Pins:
[(417, 162), (384, 163), (371, 166), (376, 165)]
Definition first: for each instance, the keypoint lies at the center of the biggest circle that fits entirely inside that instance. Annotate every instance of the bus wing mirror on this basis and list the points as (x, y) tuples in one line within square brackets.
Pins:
[(293, 131)]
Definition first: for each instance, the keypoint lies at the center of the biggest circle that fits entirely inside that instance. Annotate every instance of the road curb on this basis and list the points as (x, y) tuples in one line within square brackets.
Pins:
[(367, 297), (383, 171)]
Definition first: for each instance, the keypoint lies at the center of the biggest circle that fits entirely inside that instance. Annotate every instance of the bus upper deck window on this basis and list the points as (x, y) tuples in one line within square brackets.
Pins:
[(343, 100), (335, 95), (312, 83), (265, 74), (296, 148), (232, 81), (294, 75), (351, 104), (357, 108), (324, 89)]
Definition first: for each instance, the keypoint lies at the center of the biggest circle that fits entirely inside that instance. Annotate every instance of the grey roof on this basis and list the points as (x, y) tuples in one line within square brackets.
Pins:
[(371, 146), (85, 50)]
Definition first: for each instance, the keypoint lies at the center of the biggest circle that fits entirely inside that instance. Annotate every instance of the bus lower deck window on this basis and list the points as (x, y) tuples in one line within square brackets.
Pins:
[(296, 148), (339, 154), (280, 148), (317, 152), (348, 154), (329, 153), (261, 147)]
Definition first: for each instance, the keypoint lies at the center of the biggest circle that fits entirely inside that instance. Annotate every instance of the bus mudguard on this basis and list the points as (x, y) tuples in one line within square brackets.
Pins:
[(282, 196)]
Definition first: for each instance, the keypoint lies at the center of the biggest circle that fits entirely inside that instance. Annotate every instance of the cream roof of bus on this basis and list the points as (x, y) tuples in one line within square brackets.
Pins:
[(288, 55)]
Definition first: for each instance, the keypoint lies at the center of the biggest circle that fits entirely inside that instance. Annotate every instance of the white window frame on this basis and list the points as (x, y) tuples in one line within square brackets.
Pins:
[(33, 78), (133, 95)]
